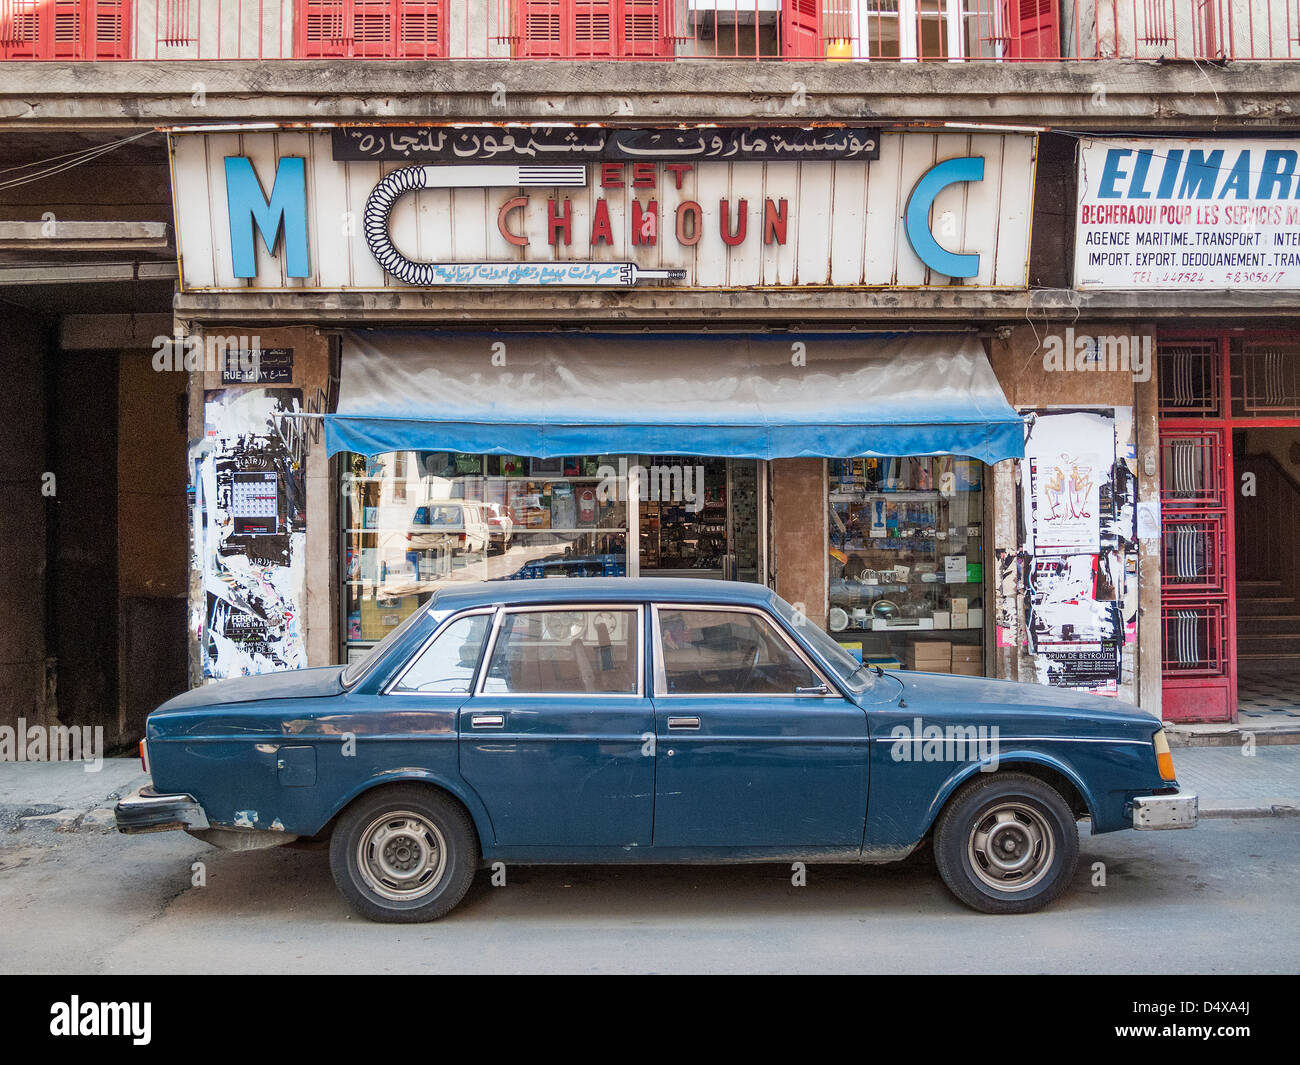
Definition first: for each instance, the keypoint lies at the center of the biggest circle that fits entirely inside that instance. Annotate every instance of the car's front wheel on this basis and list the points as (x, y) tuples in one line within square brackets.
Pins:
[(1007, 843), (405, 853)]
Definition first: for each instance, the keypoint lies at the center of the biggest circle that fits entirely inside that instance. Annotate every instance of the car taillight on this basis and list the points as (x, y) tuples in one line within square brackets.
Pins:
[(1164, 759), (144, 755)]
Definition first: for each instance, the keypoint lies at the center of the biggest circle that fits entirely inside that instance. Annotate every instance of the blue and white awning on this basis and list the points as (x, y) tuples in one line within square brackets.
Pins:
[(740, 395)]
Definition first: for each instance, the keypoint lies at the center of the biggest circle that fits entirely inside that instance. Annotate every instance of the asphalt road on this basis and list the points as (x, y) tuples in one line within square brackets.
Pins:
[(1220, 898)]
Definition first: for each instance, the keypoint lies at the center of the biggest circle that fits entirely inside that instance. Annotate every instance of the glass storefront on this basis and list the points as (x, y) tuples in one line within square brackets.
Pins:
[(414, 520), (907, 561)]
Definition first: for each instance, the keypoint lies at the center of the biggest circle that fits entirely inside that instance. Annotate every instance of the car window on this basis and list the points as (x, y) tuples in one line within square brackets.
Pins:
[(727, 652), (359, 668), (448, 663), (551, 652), (848, 668)]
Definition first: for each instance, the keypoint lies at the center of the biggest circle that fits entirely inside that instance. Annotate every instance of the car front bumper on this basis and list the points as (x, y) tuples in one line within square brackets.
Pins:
[(1153, 812), (145, 810)]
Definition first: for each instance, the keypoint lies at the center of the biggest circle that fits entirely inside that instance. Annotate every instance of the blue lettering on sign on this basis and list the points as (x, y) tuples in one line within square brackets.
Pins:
[(1197, 174), (917, 216), (247, 207)]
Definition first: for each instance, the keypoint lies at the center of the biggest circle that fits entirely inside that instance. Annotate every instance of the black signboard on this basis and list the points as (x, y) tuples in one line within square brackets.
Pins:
[(258, 367), (566, 144)]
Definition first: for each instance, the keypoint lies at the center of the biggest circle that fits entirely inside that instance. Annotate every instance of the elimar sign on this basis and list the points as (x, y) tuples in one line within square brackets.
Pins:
[(1211, 213), (276, 210)]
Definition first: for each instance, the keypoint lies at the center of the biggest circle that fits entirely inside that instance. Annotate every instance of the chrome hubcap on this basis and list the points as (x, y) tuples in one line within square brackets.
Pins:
[(1011, 846), (401, 856)]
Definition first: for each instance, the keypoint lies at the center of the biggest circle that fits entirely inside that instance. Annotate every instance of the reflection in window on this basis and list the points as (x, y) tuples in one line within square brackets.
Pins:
[(447, 665), (551, 652), (723, 652)]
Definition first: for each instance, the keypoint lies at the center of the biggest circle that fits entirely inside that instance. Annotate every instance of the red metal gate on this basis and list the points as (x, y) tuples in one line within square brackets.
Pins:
[(1210, 385)]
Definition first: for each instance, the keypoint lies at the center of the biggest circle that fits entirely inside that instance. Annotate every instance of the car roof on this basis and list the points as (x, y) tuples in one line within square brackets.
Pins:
[(600, 590)]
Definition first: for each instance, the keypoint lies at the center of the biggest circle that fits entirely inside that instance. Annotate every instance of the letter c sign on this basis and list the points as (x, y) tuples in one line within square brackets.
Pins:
[(917, 216)]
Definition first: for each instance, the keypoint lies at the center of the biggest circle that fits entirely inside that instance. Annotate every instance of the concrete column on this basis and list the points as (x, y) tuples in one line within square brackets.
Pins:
[(798, 548)]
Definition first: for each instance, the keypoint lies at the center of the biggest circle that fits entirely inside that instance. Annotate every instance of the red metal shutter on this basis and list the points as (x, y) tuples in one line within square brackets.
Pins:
[(801, 29), (323, 28), (540, 28), (1033, 29), (69, 36), (372, 29)]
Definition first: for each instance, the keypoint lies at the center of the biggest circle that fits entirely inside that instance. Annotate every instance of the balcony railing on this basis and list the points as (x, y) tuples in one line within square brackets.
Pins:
[(845, 30)]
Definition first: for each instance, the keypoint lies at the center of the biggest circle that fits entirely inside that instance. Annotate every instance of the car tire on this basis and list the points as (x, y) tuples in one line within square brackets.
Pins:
[(1007, 843), (404, 854)]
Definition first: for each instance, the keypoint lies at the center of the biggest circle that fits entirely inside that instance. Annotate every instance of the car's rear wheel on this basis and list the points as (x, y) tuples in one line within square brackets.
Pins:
[(404, 854), (1007, 843)]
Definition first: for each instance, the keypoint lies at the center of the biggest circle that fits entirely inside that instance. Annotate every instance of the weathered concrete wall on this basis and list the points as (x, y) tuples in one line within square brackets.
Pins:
[(313, 370), (1028, 383), (24, 349)]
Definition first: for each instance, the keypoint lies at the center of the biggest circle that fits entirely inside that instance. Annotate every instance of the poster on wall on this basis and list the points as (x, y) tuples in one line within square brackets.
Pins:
[(1077, 514), (250, 532)]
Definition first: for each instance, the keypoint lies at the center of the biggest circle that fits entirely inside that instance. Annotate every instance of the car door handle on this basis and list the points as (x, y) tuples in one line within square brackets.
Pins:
[(487, 720), (683, 722)]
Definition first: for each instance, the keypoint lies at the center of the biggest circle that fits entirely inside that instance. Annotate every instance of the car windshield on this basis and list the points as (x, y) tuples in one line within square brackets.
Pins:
[(357, 669), (846, 667)]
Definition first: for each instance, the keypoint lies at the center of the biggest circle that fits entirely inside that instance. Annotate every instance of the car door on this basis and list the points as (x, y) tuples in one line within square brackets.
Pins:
[(556, 739), (754, 749)]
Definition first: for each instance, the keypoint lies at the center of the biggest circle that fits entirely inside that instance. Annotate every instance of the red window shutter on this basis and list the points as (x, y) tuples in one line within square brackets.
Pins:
[(111, 29), (324, 28), (372, 29), (540, 28), (420, 28), (594, 29), (644, 31), (69, 25), (801, 29), (1033, 28), (20, 29)]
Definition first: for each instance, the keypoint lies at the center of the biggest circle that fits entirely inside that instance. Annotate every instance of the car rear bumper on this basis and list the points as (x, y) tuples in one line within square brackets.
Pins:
[(145, 810), (1153, 812)]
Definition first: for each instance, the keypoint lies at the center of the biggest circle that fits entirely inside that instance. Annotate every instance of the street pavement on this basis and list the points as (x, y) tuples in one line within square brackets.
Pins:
[(1220, 898), (78, 897)]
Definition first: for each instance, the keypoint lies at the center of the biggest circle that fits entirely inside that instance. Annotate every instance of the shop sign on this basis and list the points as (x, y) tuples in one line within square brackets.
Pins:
[(278, 211), (584, 144), (1209, 213)]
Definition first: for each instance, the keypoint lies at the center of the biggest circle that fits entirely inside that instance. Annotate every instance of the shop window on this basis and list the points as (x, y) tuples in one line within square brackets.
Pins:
[(64, 29), (907, 561), (458, 517), (378, 29), (592, 29)]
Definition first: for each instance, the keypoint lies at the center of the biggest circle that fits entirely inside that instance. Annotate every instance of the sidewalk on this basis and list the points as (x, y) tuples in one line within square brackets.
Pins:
[(62, 797)]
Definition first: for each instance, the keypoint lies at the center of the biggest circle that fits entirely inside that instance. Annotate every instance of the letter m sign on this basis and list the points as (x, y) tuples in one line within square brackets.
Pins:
[(248, 207)]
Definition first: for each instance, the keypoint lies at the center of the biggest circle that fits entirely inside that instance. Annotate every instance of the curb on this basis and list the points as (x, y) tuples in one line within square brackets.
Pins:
[(1240, 808), (1232, 736)]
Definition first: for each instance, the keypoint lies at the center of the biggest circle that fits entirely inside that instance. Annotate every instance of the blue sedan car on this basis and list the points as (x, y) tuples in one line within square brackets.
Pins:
[(637, 721)]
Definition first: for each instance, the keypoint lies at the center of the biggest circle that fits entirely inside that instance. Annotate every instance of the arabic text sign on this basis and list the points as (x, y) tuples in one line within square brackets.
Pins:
[(567, 144), (1205, 213)]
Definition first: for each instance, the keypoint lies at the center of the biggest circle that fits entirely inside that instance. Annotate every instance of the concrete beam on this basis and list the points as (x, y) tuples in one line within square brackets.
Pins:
[(88, 332), (56, 236), (812, 305), (1093, 95), (19, 274)]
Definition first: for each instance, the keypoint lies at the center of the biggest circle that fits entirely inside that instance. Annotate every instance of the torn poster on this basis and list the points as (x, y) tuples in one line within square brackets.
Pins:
[(250, 532)]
